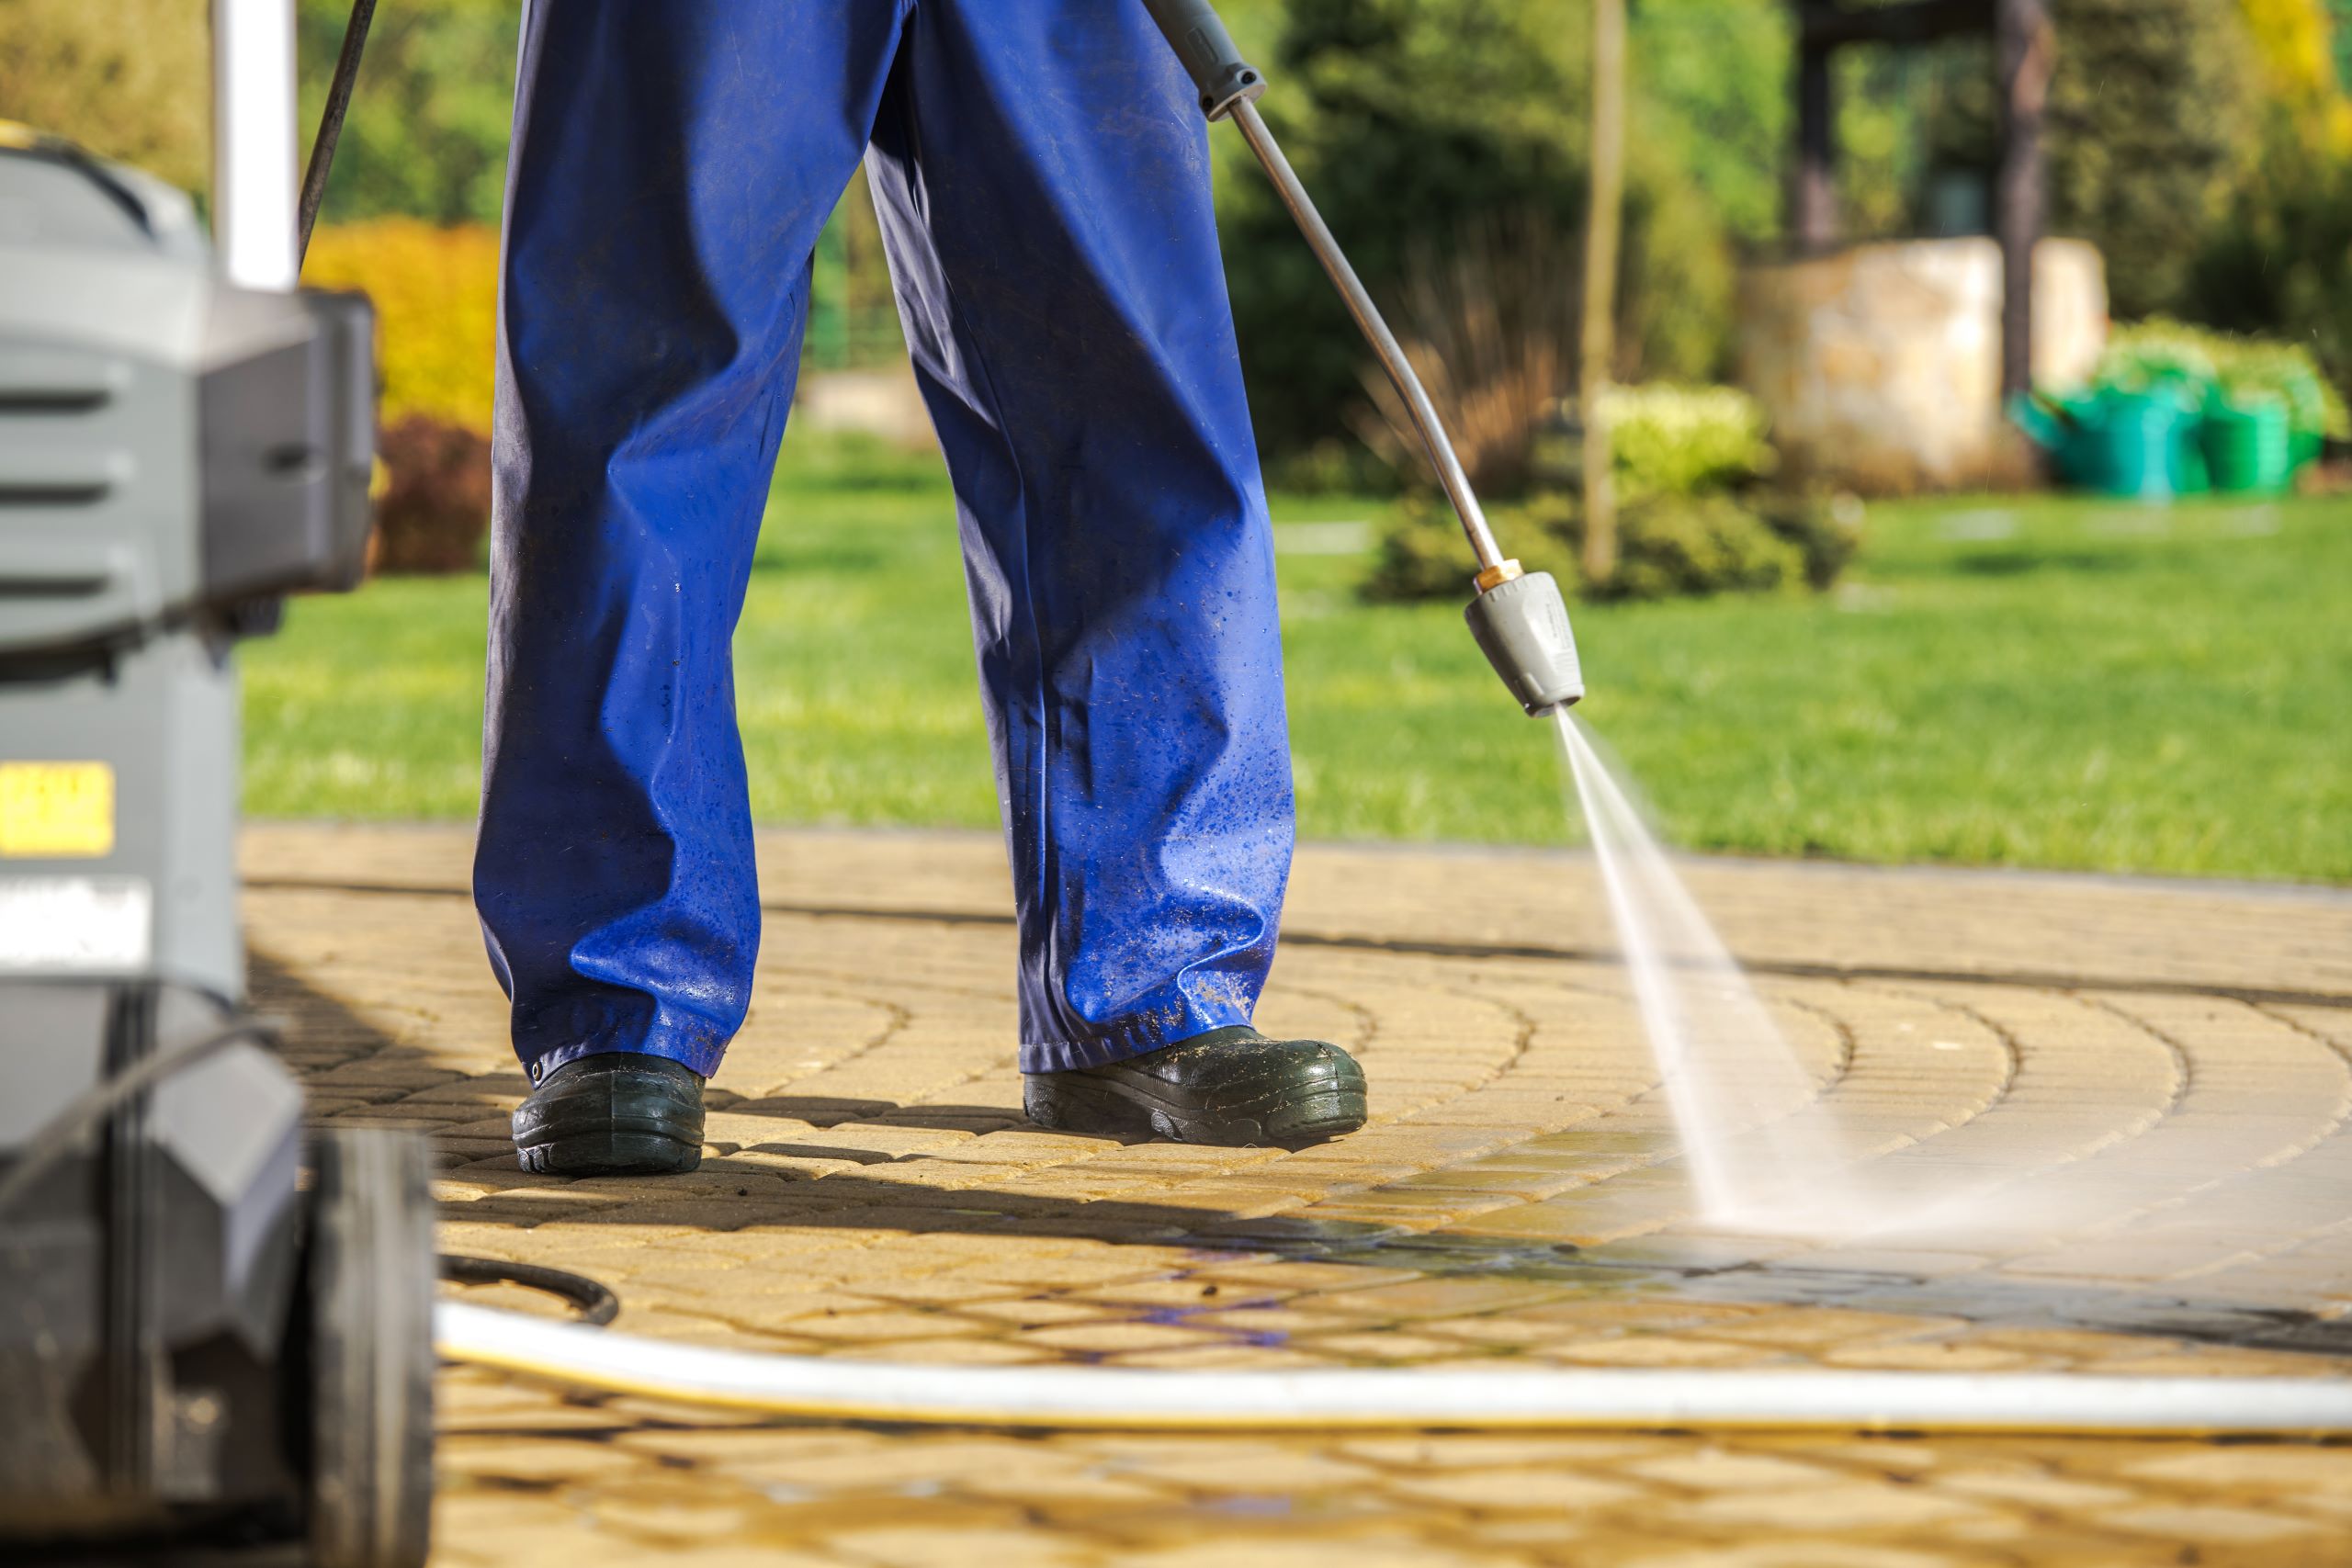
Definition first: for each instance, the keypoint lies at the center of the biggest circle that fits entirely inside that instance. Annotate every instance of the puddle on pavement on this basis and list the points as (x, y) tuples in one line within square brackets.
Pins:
[(1639, 1272)]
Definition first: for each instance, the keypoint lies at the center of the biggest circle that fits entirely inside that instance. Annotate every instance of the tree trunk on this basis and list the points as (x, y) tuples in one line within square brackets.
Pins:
[(1603, 222), (1813, 188), (2026, 50)]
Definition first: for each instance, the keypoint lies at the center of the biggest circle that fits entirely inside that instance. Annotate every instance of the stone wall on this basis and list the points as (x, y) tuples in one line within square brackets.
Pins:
[(1881, 364), (883, 401)]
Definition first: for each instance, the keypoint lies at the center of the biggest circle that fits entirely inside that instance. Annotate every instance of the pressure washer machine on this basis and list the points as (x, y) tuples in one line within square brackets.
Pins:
[(205, 1337)]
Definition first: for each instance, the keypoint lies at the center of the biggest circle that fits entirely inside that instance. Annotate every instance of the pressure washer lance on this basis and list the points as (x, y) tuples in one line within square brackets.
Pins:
[(1518, 616)]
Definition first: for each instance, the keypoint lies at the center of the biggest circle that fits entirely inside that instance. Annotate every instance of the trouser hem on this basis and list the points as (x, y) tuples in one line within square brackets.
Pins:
[(695, 1050), (1138, 1036)]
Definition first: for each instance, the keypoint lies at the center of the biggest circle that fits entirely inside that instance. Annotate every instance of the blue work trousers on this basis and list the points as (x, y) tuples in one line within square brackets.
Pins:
[(1042, 175)]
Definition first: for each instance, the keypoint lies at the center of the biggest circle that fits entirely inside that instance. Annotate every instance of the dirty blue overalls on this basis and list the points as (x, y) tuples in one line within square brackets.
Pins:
[(1042, 175)]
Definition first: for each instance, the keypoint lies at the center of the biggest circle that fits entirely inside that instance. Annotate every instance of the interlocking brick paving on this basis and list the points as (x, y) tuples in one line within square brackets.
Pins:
[(2170, 1064)]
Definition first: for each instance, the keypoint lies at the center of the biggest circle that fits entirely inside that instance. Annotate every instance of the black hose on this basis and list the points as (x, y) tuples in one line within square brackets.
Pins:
[(87, 1113), (597, 1304), (347, 74)]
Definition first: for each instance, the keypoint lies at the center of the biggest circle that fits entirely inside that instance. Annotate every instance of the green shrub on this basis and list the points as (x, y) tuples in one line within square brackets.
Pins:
[(2145, 353), (2282, 264), (1696, 513), (1674, 546), (1825, 529), (434, 509), (1669, 546), (1423, 555), (1671, 440)]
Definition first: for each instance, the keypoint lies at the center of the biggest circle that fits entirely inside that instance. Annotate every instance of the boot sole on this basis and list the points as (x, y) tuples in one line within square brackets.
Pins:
[(611, 1152), (1284, 1116)]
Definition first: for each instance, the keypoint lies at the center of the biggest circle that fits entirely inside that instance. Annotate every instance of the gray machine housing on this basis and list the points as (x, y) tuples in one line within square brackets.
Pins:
[(176, 455)]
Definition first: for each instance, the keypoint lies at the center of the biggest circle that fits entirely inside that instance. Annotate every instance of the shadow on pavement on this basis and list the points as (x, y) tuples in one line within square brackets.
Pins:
[(732, 1193)]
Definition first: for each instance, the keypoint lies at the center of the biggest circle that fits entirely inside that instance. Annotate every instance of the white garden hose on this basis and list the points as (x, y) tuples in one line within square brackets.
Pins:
[(817, 1388)]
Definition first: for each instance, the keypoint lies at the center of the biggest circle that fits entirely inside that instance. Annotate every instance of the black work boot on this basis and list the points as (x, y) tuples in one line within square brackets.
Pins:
[(622, 1114), (1232, 1086)]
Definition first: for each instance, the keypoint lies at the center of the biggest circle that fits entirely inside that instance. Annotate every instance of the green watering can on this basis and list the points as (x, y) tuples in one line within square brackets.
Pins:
[(2137, 445), (2246, 441)]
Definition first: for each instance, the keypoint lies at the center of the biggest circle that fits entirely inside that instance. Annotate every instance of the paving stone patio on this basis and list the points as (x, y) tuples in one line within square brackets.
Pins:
[(2170, 1063)]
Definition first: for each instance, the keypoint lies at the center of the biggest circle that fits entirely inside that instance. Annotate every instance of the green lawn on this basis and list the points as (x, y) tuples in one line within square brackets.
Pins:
[(2037, 682)]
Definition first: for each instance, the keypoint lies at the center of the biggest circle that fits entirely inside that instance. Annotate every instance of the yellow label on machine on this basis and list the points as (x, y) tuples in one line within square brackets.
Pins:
[(56, 810)]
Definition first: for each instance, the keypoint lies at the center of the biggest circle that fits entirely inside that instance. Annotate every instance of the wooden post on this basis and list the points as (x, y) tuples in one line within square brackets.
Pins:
[(2025, 49), (1604, 220), (1812, 187)]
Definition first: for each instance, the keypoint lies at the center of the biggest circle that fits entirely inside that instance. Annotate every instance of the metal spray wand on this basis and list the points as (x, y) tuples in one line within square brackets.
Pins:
[(1519, 618)]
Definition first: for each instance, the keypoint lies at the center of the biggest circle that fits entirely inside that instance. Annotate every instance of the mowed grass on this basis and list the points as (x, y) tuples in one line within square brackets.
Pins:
[(2038, 681)]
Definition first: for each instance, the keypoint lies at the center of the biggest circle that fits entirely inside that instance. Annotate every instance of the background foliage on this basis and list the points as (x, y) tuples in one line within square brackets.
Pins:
[(2206, 146), (1412, 121), (426, 136), (130, 78), (435, 292), (2150, 123)]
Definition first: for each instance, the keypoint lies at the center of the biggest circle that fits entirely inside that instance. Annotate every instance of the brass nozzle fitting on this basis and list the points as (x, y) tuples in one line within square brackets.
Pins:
[(1496, 576)]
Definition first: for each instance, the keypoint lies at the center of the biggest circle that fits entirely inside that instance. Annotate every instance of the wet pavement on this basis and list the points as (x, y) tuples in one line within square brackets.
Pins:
[(2160, 1073)]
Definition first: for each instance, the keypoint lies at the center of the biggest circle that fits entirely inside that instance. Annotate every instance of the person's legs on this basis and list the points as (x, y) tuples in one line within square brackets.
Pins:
[(1043, 178), (672, 163)]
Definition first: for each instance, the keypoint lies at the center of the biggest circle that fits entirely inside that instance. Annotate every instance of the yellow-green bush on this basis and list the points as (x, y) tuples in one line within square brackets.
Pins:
[(1671, 440), (437, 309), (128, 79), (2294, 45)]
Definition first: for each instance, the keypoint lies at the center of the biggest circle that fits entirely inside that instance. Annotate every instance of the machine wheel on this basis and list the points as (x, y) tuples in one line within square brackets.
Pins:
[(371, 1274)]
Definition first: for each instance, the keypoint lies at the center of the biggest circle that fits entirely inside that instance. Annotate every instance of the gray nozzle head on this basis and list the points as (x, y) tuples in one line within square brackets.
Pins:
[(1522, 626)]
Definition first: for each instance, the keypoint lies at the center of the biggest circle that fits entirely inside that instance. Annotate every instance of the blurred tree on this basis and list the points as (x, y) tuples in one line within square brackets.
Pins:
[(427, 132), (1714, 76), (1883, 97), (2151, 122), (2281, 264), (129, 79), (1413, 120), (2151, 125), (1604, 219), (2280, 261), (2295, 42)]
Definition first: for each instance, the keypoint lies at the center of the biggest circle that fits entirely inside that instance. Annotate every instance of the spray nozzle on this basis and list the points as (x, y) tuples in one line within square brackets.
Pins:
[(1522, 623)]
